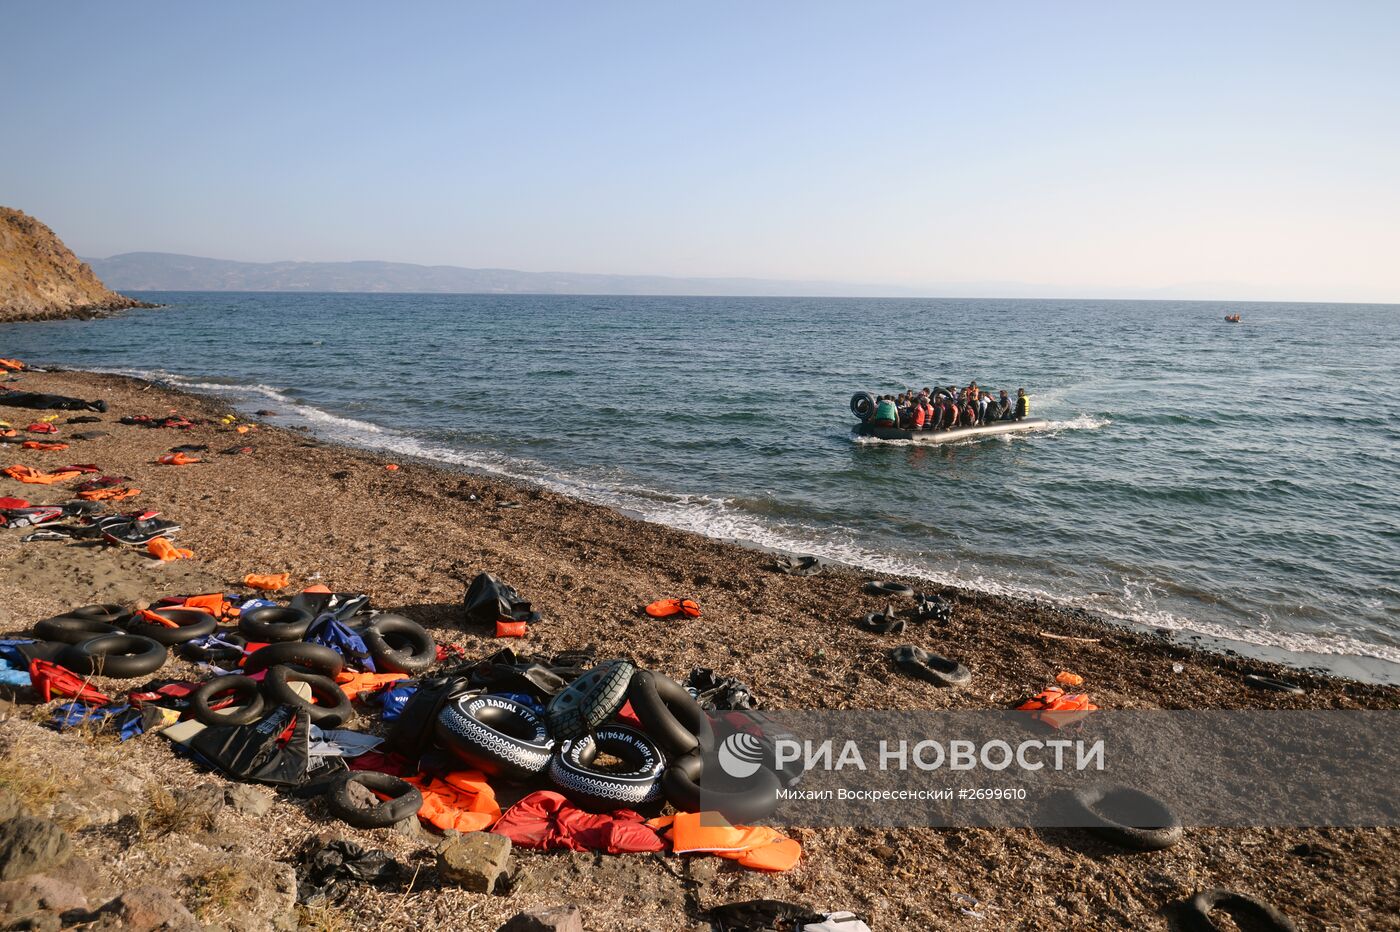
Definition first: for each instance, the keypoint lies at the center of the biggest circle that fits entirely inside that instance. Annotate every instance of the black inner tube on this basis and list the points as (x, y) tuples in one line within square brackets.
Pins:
[(274, 623), (329, 708), (313, 657), (246, 693), (120, 656), (405, 799), (1195, 915), (669, 714), (741, 802), (189, 624), (1128, 817), (72, 629), (109, 612), (399, 645)]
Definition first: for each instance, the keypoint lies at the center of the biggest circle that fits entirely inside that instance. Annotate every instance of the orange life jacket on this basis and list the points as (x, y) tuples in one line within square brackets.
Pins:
[(665, 608), (162, 549), (34, 477), (1057, 708), (462, 801), (757, 847)]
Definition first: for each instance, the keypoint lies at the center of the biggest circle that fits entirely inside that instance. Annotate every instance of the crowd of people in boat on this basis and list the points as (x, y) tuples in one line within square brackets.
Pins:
[(947, 408)]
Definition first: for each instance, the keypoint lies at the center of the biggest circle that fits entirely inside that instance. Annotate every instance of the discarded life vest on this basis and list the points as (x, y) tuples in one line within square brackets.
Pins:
[(753, 846), (547, 820), (1057, 708), (214, 603), (109, 494), (355, 685), (269, 581), (32, 476), (461, 801), (49, 680), (665, 608), (163, 550), (177, 459)]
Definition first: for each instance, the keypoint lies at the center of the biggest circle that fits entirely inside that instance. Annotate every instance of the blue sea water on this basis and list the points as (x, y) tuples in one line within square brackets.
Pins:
[(1237, 481)]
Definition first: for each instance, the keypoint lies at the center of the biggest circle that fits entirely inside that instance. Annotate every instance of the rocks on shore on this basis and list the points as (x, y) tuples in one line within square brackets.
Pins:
[(29, 846), (552, 919), (475, 861), (146, 909)]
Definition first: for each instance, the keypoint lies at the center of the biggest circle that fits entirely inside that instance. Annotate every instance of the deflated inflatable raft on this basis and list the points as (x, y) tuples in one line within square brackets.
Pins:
[(948, 436)]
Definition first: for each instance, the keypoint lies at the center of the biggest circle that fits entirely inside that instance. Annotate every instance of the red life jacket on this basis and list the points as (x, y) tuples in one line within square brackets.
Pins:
[(916, 416)]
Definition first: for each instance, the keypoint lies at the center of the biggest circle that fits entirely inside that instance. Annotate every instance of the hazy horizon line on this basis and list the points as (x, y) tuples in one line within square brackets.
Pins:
[(1189, 291)]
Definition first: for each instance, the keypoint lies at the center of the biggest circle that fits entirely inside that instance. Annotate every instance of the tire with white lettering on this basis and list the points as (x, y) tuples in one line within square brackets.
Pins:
[(635, 783), (496, 735)]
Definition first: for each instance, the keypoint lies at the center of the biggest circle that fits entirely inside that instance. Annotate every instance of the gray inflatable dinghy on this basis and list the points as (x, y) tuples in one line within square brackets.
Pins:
[(949, 436)]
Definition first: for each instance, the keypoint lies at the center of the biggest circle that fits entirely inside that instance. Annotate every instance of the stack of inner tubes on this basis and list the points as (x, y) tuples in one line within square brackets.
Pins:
[(97, 643), (666, 749), (110, 640)]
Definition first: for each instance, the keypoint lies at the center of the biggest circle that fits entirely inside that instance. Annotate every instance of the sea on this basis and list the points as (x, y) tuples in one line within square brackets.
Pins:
[(1232, 484)]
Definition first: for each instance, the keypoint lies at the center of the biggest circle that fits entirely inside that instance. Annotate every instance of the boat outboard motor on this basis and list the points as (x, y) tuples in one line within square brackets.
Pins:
[(863, 405)]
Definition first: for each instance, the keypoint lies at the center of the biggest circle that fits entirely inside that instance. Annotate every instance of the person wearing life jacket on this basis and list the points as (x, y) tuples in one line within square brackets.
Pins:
[(916, 414), (1023, 404), (886, 414), (926, 408), (947, 412), (968, 414)]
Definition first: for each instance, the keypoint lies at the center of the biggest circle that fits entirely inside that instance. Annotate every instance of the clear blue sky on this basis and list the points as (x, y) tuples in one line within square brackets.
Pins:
[(1077, 144)]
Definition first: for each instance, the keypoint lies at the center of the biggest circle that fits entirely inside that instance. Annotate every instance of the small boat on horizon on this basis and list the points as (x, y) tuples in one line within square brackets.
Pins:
[(1232, 318)]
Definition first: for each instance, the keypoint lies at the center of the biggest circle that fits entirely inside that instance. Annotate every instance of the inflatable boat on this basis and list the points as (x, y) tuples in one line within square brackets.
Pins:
[(948, 436), (863, 407)]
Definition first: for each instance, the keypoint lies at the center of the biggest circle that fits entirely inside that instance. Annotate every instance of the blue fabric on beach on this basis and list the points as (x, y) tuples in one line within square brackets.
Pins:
[(396, 697), (11, 654), (336, 635), (129, 722), (251, 603), (524, 699), (72, 714), (11, 675)]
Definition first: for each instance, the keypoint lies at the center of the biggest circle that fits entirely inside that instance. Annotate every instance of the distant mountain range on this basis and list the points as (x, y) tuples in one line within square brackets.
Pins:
[(163, 271)]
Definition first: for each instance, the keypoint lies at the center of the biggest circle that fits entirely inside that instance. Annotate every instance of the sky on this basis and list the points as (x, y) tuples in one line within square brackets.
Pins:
[(1226, 148)]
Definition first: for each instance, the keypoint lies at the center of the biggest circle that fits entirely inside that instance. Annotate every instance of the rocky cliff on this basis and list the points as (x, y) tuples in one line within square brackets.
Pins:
[(41, 279)]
